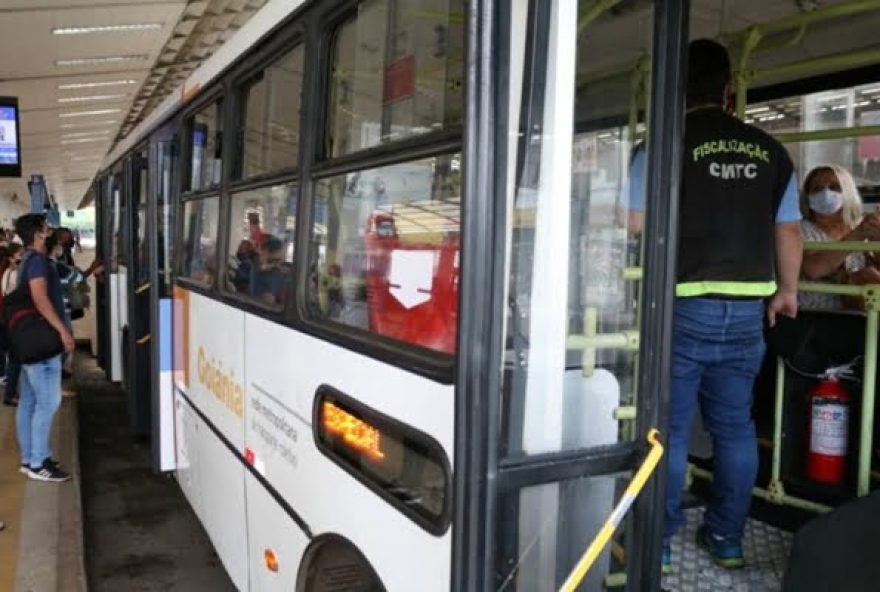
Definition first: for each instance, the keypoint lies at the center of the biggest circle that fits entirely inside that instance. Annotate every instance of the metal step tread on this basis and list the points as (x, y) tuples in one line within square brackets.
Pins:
[(766, 551)]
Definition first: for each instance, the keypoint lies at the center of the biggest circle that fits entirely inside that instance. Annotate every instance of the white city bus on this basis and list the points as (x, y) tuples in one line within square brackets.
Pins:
[(373, 293)]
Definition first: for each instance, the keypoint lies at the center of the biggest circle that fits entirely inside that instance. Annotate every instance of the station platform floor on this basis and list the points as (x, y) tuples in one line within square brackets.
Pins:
[(41, 548), (117, 525)]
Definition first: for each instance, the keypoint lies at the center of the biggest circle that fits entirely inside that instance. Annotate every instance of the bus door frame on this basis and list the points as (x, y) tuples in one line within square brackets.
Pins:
[(482, 476), (101, 320), (134, 374), (163, 453)]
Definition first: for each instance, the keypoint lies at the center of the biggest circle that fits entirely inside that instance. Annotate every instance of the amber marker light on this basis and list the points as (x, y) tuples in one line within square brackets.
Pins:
[(354, 432), (271, 560)]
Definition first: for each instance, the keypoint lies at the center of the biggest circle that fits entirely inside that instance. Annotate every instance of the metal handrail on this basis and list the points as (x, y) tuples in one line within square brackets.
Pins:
[(629, 496)]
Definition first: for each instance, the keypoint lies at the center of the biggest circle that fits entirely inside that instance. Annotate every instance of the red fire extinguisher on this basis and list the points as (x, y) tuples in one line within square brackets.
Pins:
[(829, 427)]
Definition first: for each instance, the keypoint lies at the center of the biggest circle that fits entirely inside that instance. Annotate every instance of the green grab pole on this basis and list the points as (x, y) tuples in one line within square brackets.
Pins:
[(775, 468), (588, 356), (766, 29), (751, 40), (594, 12), (615, 580), (804, 19), (868, 389), (821, 15), (833, 62), (632, 273), (840, 133), (625, 413), (849, 246), (759, 492), (627, 340), (822, 288)]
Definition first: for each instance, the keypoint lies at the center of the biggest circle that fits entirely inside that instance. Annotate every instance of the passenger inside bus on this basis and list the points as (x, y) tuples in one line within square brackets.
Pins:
[(246, 262), (832, 210), (270, 282)]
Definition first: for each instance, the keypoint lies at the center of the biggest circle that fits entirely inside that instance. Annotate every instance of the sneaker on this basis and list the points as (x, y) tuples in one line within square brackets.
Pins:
[(24, 468), (48, 472), (666, 561), (725, 551)]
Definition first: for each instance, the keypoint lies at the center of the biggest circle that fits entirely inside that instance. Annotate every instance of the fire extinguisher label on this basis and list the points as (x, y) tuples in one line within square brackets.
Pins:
[(829, 428)]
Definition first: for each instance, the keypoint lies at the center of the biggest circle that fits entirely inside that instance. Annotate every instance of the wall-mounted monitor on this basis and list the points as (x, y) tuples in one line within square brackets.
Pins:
[(10, 138)]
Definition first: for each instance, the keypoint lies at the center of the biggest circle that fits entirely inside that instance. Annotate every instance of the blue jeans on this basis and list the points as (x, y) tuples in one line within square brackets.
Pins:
[(718, 347), (39, 400)]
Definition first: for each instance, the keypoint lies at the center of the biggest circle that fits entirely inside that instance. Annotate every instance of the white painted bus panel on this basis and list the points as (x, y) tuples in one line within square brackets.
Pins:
[(221, 493), (216, 365), (187, 452), (273, 530), (115, 332), (284, 370)]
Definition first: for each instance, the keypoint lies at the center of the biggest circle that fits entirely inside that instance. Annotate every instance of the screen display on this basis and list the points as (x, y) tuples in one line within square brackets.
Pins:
[(9, 149), (406, 467)]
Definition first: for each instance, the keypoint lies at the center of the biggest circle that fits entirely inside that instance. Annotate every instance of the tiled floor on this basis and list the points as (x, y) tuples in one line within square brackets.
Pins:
[(766, 551)]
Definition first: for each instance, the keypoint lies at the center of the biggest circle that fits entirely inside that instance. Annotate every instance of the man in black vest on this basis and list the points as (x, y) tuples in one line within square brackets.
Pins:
[(738, 236)]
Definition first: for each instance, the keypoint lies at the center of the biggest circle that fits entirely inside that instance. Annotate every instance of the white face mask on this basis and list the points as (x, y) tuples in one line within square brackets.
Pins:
[(826, 201)]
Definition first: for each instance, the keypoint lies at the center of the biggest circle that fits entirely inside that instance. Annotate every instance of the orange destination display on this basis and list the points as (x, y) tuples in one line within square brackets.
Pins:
[(404, 466), (358, 434)]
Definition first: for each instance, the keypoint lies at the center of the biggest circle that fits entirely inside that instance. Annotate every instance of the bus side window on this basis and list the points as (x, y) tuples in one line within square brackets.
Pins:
[(200, 219)]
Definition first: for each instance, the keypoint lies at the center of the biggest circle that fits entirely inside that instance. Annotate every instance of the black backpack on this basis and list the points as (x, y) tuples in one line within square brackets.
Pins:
[(28, 336)]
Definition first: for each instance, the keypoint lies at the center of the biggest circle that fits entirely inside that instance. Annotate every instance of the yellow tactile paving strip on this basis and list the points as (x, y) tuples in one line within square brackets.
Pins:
[(12, 486)]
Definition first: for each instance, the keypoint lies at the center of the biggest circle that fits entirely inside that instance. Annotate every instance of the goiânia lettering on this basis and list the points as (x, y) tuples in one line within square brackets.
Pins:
[(753, 151), (222, 385)]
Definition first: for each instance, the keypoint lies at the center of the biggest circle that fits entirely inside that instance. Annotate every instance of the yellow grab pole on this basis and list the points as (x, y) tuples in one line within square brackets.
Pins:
[(626, 501)]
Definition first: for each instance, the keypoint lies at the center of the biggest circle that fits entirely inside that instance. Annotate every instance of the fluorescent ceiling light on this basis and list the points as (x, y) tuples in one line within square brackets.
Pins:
[(82, 141), (88, 124), (102, 60), (85, 134), (100, 84), (92, 98), (757, 110), (87, 113), (93, 158), (106, 28)]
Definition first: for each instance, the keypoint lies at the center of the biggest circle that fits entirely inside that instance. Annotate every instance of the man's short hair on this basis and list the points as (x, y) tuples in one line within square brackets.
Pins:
[(708, 72), (27, 226)]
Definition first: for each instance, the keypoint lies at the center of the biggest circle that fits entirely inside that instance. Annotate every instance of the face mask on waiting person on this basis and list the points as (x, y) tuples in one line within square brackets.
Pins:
[(826, 201)]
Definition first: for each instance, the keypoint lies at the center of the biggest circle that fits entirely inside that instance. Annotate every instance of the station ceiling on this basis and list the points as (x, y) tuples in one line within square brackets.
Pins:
[(87, 71)]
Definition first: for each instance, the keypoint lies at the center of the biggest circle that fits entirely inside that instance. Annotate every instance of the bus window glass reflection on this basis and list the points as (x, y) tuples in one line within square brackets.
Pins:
[(423, 65), (270, 128), (200, 240), (261, 244), (385, 250)]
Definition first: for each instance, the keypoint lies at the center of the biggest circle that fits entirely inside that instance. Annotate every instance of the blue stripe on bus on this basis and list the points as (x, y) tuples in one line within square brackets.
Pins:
[(165, 335)]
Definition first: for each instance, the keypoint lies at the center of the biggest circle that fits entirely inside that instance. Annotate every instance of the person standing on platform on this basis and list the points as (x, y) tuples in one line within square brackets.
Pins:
[(8, 281), (739, 244), (40, 393)]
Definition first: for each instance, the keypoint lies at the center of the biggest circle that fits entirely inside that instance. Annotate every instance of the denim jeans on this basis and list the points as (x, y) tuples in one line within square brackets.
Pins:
[(718, 347), (13, 372), (39, 400)]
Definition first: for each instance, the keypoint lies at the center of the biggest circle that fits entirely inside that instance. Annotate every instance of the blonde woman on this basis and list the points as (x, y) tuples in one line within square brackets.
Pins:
[(832, 211)]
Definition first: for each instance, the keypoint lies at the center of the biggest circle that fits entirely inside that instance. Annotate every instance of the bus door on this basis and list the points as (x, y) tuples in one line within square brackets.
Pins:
[(160, 237), (581, 269), (101, 253), (116, 272), (137, 287)]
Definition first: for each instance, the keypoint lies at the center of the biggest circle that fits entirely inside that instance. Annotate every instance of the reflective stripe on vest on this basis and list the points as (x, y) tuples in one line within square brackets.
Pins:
[(757, 289)]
